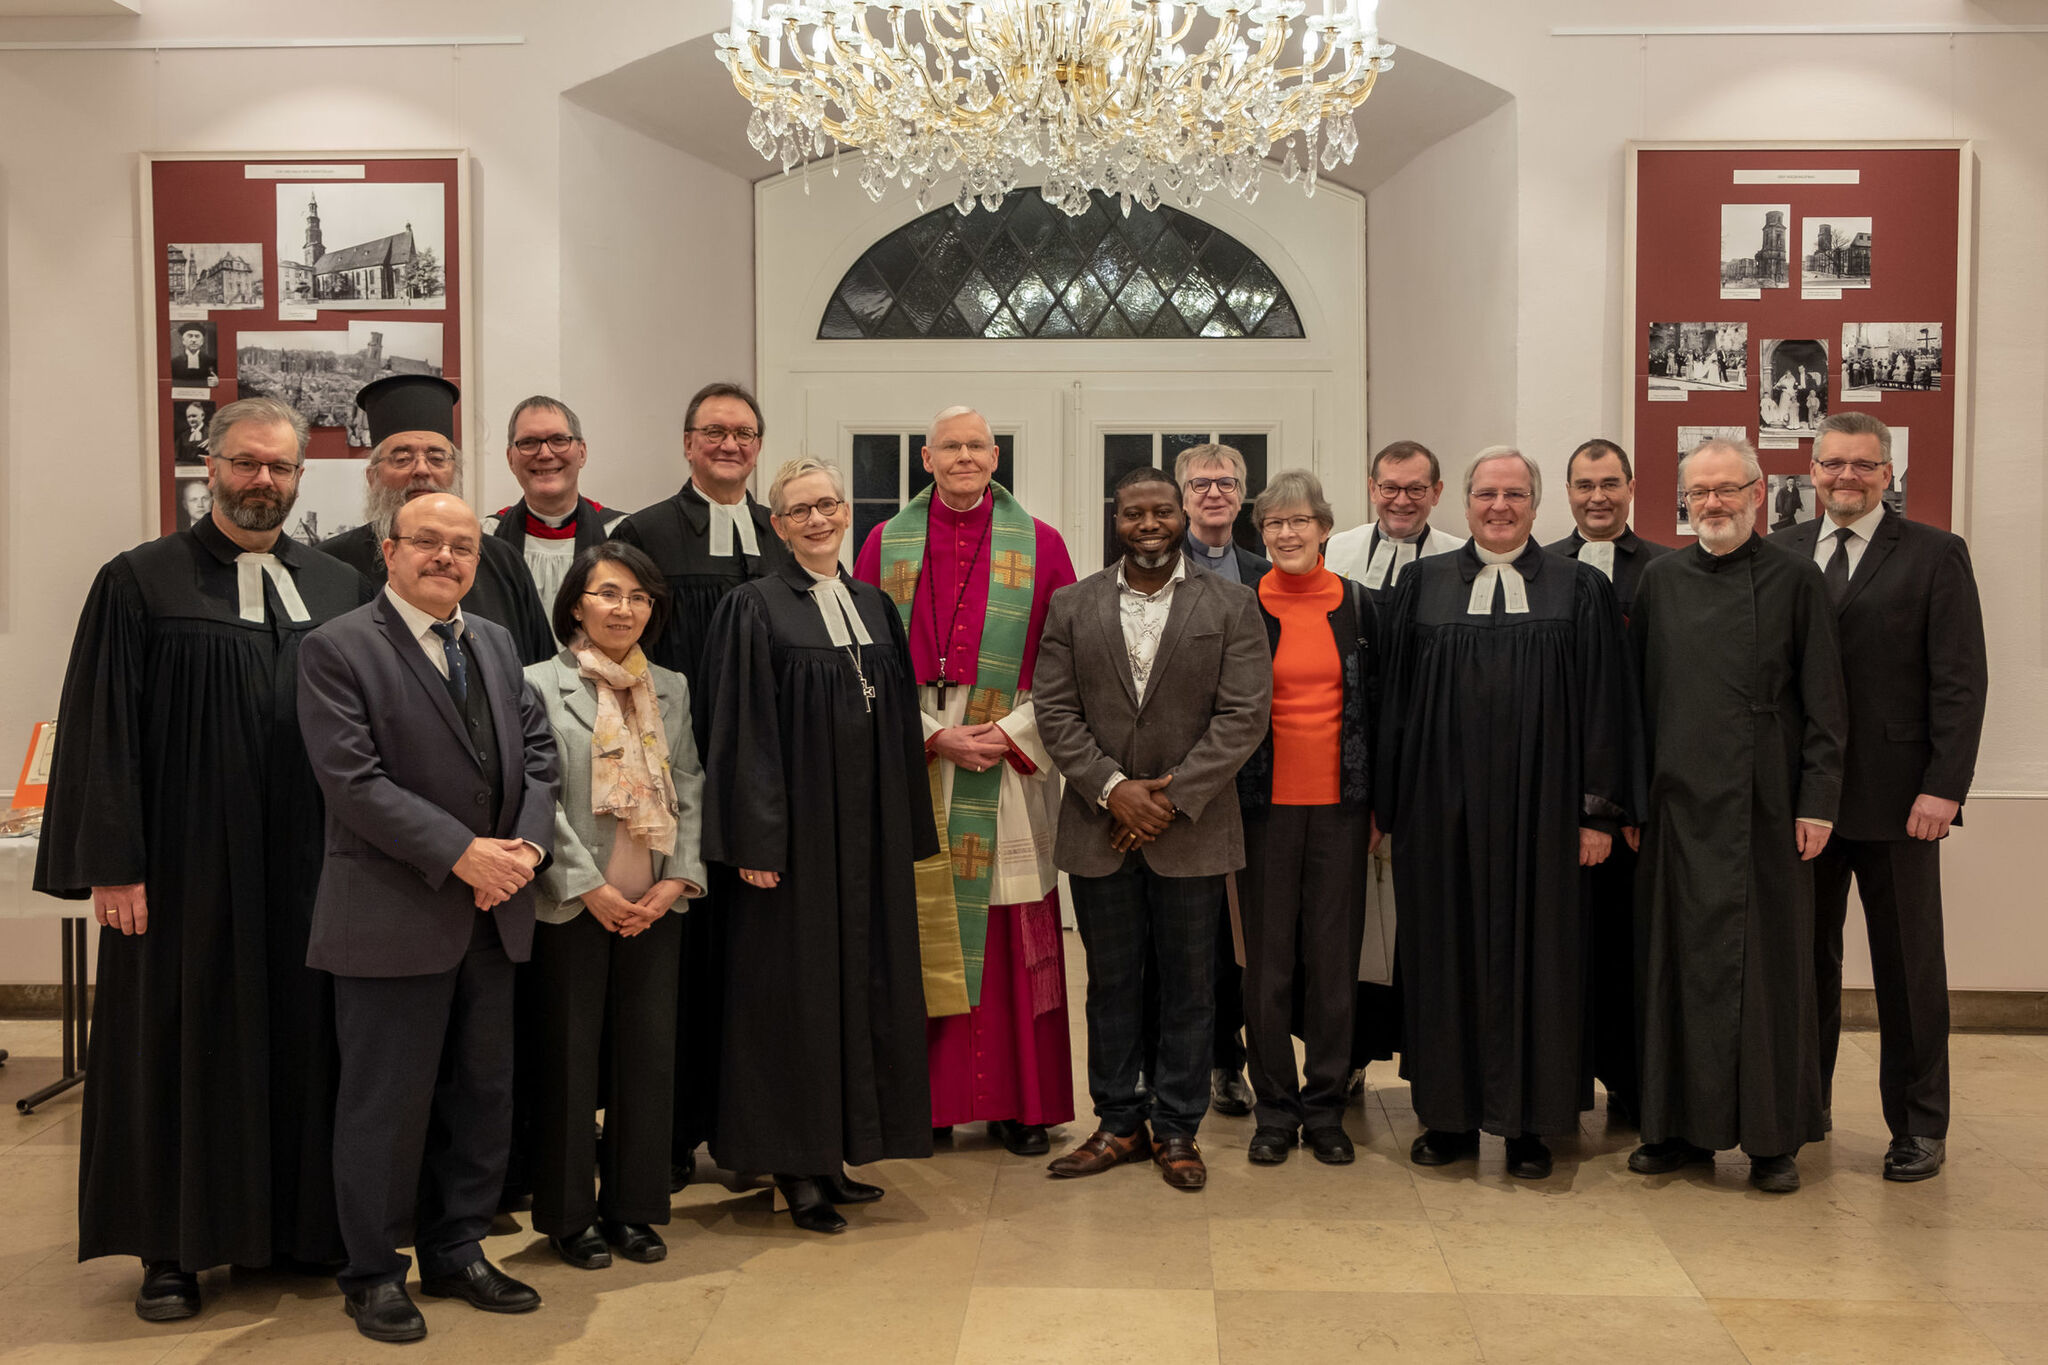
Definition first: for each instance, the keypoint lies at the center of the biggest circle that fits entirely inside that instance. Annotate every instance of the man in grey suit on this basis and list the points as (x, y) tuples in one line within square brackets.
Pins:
[(439, 770), (1149, 825)]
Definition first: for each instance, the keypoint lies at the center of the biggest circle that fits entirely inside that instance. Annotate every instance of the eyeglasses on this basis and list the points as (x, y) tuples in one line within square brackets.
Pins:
[(1225, 484), (1586, 488), (1864, 468), (436, 458), (1391, 491), (970, 447), (432, 545), (801, 513), (1727, 492), (558, 443), (1513, 497), (281, 471), (613, 599), (1300, 526), (718, 436)]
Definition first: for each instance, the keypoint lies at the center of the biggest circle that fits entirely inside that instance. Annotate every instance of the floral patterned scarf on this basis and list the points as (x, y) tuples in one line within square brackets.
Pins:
[(629, 776)]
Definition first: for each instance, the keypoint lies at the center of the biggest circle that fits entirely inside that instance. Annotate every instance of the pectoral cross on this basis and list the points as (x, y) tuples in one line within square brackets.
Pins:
[(942, 684), (867, 695)]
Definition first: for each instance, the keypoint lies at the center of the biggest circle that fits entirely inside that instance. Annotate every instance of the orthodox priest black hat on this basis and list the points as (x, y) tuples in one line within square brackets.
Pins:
[(408, 402)]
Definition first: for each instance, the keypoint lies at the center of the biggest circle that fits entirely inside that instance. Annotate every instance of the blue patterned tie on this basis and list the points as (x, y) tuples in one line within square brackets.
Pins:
[(458, 663)]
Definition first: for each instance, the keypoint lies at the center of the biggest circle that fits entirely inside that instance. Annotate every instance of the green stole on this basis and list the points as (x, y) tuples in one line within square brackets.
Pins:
[(953, 887)]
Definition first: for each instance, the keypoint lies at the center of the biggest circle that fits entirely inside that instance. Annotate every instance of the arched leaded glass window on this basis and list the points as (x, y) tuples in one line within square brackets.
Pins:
[(1027, 270)]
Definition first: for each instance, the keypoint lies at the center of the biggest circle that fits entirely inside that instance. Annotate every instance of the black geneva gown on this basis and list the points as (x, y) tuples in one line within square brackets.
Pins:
[(1746, 718), (209, 1104), (1501, 735), (502, 593), (825, 1059), (676, 534)]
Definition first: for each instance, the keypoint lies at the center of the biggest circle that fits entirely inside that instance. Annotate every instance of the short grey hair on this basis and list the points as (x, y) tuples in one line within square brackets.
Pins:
[(1507, 453), (1751, 470), (546, 404), (948, 414), (1854, 424), (1289, 488), (801, 467), (1209, 452), (264, 410)]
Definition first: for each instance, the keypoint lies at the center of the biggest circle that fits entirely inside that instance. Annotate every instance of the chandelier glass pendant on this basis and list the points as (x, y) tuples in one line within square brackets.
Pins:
[(1145, 100)]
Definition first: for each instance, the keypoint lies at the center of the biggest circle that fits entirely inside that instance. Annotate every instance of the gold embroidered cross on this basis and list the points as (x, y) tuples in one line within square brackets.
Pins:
[(1012, 569), (970, 859), (985, 704), (901, 581)]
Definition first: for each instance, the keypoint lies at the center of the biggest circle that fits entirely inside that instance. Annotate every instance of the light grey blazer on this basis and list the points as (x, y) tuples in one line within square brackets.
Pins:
[(583, 839)]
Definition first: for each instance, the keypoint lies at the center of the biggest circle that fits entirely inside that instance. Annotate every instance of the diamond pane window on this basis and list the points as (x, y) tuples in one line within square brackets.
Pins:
[(1025, 271)]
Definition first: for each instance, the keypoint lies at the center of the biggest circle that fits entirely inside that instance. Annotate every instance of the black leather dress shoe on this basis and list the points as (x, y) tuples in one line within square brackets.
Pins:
[(1020, 1139), (1438, 1148), (842, 1188), (483, 1285), (1774, 1174), (1270, 1145), (585, 1250), (167, 1293), (681, 1172), (634, 1241), (1914, 1158), (1528, 1158), (809, 1207), (1228, 1094), (1662, 1158), (1329, 1145), (385, 1312)]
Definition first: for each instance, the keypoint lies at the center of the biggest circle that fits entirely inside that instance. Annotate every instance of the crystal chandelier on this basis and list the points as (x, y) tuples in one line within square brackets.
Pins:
[(1122, 96)]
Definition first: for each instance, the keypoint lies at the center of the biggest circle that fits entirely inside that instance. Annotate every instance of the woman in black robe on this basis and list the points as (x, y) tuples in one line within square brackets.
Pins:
[(815, 790), (209, 1104)]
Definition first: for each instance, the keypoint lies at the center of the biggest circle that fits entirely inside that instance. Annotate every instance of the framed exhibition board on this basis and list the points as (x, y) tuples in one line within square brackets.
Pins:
[(301, 278), (1768, 284)]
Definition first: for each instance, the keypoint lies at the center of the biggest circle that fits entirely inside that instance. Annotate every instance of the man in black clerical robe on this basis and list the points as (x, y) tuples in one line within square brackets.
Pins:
[(1600, 485), (816, 797), (1746, 718), (1508, 761), (405, 464), (182, 803), (708, 539)]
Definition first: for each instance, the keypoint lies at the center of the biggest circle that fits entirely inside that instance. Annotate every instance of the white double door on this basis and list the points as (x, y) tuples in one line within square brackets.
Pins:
[(1068, 436)]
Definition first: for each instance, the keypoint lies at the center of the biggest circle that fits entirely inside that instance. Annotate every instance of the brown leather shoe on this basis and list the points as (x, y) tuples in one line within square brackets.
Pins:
[(1180, 1163), (1102, 1150)]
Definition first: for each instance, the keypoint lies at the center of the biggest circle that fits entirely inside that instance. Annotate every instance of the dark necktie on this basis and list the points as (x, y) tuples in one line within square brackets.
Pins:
[(458, 663), (1836, 575)]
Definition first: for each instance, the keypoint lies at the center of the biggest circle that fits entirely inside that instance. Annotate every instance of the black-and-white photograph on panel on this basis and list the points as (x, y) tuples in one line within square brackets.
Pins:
[(1834, 253), (1755, 253), (195, 354), (1788, 500), (1792, 387), (362, 246), (189, 418), (214, 274), (1688, 440), (331, 500), (385, 348), (1895, 495), (316, 372), (1881, 356), (192, 500), (1686, 356)]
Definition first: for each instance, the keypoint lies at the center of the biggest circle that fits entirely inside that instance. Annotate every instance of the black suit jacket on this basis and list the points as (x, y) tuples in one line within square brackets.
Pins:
[(406, 795), (1912, 635)]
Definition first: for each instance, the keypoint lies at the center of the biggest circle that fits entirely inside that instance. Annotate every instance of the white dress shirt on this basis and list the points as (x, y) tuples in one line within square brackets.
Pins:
[(422, 624), (1864, 526), (1143, 616)]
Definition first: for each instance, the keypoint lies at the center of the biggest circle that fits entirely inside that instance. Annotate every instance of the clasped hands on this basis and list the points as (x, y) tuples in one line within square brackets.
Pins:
[(495, 869), (1141, 811), (629, 918), (975, 747)]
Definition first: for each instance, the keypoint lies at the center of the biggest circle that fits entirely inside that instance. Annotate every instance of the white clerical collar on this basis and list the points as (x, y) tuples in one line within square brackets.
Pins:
[(966, 511), (250, 568), (835, 604), (1496, 570), (1208, 551), (417, 621), (1864, 526), (730, 520), (556, 522)]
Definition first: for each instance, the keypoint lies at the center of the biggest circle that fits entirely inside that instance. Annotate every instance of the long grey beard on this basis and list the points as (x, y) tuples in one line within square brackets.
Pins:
[(245, 512), (381, 504)]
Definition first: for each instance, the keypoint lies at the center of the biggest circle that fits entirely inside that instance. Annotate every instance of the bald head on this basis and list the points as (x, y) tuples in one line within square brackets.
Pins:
[(432, 554)]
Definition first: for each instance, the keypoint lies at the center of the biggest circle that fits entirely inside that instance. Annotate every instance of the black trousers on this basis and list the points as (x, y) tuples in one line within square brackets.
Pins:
[(1302, 898), (700, 1013), (1130, 917), (607, 1036), (1899, 881), (424, 1113), (1228, 1054), (1611, 1014)]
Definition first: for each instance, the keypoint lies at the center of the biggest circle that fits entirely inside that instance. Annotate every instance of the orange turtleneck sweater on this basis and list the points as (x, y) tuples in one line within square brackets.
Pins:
[(1308, 686)]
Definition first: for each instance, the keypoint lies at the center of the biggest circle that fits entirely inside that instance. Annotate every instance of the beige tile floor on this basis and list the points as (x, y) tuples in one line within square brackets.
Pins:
[(977, 1256)]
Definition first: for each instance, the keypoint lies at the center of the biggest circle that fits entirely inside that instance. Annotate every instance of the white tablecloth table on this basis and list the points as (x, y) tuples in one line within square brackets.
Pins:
[(18, 901)]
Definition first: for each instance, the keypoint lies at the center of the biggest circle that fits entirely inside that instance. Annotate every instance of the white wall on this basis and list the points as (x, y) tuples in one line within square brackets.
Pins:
[(1440, 271)]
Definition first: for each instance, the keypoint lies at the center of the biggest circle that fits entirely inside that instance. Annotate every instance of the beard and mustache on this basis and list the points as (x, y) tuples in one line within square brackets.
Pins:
[(381, 503), (253, 509)]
